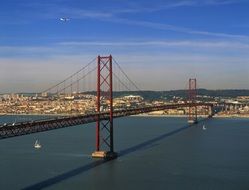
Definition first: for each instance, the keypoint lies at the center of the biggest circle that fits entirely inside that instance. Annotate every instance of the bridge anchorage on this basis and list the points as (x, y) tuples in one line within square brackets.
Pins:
[(104, 128)]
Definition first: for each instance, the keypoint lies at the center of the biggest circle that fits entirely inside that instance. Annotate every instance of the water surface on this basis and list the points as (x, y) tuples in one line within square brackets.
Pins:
[(155, 153)]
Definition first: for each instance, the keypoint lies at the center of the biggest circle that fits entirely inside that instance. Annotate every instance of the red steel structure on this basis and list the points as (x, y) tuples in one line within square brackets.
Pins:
[(104, 114), (104, 102), (24, 128), (192, 93)]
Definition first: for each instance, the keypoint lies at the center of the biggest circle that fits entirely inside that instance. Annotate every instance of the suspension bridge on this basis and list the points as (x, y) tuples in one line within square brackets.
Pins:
[(110, 78)]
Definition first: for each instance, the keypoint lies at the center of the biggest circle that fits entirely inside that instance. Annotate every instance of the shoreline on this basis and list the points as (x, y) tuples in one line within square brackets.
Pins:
[(31, 114), (139, 115), (184, 116)]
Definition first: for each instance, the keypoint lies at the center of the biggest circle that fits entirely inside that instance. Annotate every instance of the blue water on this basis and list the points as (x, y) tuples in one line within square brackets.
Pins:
[(155, 153)]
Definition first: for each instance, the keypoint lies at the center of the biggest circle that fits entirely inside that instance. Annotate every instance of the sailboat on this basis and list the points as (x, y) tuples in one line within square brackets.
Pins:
[(203, 127), (37, 145)]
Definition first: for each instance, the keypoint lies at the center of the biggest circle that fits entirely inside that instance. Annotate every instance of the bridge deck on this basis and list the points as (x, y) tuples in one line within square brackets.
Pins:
[(24, 128)]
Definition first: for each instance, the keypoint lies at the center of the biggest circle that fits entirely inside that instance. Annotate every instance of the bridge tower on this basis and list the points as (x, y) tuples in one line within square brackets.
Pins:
[(104, 103), (192, 93)]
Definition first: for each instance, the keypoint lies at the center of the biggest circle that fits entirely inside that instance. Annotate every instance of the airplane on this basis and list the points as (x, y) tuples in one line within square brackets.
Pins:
[(64, 19)]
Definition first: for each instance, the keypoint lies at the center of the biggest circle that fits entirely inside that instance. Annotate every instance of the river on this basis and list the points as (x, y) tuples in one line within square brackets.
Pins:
[(154, 153)]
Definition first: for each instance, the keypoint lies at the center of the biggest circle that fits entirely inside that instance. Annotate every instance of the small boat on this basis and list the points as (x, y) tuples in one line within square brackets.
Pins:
[(37, 145), (203, 127)]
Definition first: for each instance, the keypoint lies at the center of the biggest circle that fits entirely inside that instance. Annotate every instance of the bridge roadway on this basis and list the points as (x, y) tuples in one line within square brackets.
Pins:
[(24, 128)]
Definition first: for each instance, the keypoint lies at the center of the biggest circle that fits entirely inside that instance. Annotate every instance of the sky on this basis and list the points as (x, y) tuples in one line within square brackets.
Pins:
[(160, 43)]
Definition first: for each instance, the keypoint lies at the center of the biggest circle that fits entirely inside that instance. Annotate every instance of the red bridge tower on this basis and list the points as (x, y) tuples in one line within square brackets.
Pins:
[(192, 93), (104, 103)]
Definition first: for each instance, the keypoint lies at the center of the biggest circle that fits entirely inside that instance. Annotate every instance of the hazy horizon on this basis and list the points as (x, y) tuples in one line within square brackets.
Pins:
[(2, 93)]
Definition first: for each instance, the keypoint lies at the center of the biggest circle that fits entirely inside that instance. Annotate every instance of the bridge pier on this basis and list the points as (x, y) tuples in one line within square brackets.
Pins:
[(104, 128), (108, 155), (192, 121)]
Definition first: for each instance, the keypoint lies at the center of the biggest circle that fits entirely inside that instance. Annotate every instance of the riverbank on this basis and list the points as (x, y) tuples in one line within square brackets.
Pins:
[(199, 116), (34, 114), (140, 115), (231, 116)]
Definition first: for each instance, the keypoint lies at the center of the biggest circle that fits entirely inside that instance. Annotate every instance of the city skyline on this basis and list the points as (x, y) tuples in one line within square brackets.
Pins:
[(160, 44)]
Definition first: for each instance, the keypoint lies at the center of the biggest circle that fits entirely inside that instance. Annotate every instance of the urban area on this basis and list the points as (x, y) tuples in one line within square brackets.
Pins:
[(84, 103)]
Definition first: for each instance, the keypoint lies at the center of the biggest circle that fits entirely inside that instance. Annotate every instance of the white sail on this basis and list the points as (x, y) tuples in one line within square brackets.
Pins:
[(37, 145)]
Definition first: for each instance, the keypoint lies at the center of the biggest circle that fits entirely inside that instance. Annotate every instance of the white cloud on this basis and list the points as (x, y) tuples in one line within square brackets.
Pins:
[(131, 47), (167, 27), (113, 15), (77, 48), (164, 5), (162, 43)]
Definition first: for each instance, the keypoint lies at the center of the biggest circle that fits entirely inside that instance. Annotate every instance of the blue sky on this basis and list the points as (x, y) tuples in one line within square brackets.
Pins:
[(159, 43)]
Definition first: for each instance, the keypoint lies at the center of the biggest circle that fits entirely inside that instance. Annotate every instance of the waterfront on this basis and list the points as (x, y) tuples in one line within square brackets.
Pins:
[(155, 152)]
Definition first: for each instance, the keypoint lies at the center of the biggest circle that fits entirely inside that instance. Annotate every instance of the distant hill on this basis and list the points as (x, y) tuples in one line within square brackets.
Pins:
[(223, 93), (157, 95), (162, 95)]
